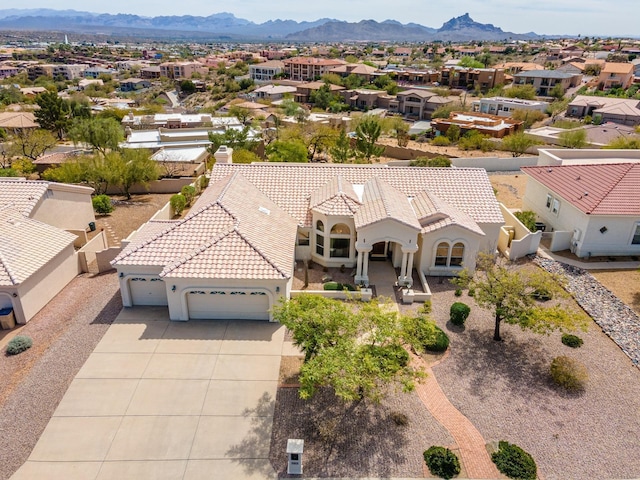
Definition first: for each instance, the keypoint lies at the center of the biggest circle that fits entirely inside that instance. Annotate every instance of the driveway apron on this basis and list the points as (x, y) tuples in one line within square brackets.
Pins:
[(166, 400)]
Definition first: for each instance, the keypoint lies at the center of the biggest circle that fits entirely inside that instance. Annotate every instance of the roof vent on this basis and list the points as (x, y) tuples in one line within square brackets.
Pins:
[(549, 170), (586, 193), (264, 210)]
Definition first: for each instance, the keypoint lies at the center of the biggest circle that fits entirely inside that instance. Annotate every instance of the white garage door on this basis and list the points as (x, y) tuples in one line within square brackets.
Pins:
[(228, 304), (147, 291)]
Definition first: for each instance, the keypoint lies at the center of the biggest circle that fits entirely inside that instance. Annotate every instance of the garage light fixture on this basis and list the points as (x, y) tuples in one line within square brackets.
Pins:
[(603, 230), (173, 288), (277, 289)]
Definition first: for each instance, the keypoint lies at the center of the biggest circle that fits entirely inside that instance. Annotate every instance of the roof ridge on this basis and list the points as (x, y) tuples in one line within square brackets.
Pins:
[(261, 253), (5, 267), (194, 253), (614, 184)]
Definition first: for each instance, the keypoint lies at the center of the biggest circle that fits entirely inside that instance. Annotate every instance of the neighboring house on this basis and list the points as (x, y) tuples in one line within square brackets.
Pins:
[(7, 71), (266, 72), (65, 71), (365, 72), (491, 125), (37, 255), (544, 80), (504, 107), (150, 73), (305, 69), (182, 70), (364, 99), (304, 90), (472, 78), (14, 121), (274, 92), (95, 72), (623, 111), (591, 209), (177, 120), (616, 75), (596, 135), (419, 103), (412, 76), (85, 82), (233, 255), (133, 84)]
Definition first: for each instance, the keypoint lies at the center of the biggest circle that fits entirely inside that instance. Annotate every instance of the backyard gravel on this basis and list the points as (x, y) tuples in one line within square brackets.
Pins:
[(505, 390), (64, 334)]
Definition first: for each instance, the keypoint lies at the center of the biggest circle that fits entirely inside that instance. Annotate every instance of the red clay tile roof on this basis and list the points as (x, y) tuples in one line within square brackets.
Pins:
[(381, 202), (607, 189)]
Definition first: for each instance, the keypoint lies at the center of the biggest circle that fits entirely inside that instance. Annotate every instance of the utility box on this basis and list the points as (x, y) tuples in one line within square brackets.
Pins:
[(295, 447)]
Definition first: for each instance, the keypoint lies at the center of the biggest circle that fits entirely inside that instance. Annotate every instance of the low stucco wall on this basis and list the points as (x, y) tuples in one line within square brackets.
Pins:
[(523, 242), (560, 240), (165, 185), (495, 164), (104, 257), (364, 294)]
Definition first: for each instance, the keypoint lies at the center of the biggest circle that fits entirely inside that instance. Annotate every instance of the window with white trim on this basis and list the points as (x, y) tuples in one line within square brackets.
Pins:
[(448, 255), (553, 204), (320, 238), (636, 235), (340, 241)]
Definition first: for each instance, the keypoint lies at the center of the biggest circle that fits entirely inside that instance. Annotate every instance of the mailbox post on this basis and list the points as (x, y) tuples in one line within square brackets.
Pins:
[(295, 447)]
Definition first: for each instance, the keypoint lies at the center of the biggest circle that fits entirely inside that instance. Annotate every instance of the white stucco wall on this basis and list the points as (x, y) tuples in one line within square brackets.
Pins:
[(46, 283), (329, 221), (451, 235), (66, 207), (590, 242)]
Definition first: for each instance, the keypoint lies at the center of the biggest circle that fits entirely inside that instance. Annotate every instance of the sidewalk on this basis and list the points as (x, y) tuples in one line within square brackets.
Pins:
[(545, 253)]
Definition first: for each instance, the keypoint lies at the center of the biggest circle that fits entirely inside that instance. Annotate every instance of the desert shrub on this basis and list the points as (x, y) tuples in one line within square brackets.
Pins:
[(471, 292), (442, 462), (568, 373), (19, 344), (189, 192), (572, 341), (204, 182), (528, 219), (439, 161), (458, 292), (453, 133), (425, 309), (338, 286), (399, 419), (474, 140), (542, 295), (514, 462), (102, 204), (458, 313), (423, 334), (441, 141), (178, 203)]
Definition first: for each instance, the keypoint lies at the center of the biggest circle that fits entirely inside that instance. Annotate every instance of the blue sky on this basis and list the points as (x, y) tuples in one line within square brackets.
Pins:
[(573, 17)]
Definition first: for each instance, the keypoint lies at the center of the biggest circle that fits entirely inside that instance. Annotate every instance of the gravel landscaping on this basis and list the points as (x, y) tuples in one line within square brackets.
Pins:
[(505, 390), (354, 440), (32, 383)]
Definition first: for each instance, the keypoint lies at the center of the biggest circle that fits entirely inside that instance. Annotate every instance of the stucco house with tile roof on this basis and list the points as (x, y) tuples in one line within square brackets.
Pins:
[(233, 256), (39, 224), (591, 209)]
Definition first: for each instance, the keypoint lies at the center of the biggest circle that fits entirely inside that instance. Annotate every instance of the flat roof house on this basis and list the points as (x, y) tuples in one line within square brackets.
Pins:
[(233, 255)]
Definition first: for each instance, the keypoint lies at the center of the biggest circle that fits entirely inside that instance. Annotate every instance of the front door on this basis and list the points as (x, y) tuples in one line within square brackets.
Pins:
[(379, 251)]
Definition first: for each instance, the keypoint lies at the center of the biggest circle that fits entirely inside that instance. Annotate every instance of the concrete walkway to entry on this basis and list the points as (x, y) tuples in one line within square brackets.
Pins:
[(166, 400)]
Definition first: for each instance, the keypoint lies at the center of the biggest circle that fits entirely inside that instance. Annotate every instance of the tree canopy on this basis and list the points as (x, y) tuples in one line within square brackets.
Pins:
[(513, 295), (102, 133), (367, 133), (518, 143), (356, 349)]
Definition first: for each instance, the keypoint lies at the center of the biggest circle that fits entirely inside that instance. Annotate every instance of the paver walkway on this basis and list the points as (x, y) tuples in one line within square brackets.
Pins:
[(166, 400), (473, 453)]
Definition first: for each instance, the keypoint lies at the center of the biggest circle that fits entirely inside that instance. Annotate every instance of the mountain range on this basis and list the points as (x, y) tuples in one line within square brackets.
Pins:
[(227, 26)]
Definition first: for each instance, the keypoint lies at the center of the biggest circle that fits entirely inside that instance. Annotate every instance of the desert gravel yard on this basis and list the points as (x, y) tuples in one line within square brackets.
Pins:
[(32, 383), (505, 390)]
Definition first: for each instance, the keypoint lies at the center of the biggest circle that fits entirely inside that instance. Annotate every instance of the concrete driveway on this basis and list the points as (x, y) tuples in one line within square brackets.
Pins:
[(166, 400)]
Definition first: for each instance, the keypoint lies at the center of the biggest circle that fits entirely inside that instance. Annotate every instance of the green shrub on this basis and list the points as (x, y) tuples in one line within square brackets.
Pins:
[(19, 344), (399, 419), (527, 218), (514, 462), (572, 341), (339, 286), (204, 182), (471, 292), (458, 292), (458, 313), (102, 204), (425, 309), (189, 192), (441, 141), (542, 295), (439, 161), (424, 335), (568, 373), (178, 203), (442, 462)]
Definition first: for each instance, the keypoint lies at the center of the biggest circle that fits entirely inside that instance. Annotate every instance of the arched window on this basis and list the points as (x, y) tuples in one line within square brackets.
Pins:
[(442, 254), (457, 255), (320, 238), (340, 241), (340, 229)]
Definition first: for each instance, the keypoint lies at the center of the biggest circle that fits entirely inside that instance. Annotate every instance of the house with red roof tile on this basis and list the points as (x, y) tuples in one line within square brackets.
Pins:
[(590, 208), (233, 256)]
